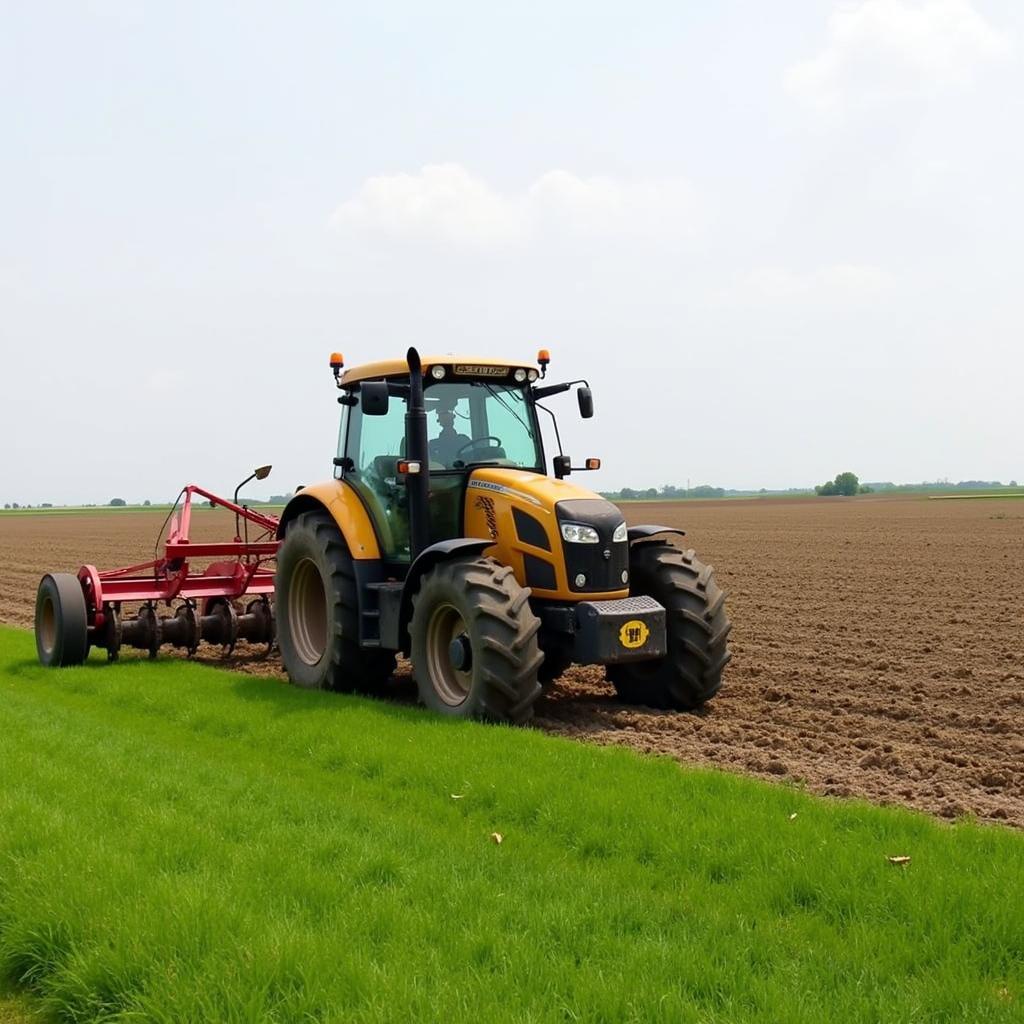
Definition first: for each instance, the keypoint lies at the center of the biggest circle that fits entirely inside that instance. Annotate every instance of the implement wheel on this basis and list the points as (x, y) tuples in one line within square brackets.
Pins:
[(474, 642), (317, 610), (62, 621), (696, 624)]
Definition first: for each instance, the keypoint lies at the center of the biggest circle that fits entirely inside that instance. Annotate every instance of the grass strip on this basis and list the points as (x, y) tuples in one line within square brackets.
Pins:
[(183, 844)]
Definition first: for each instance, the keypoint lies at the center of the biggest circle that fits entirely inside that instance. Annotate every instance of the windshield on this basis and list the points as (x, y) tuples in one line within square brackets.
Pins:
[(476, 422)]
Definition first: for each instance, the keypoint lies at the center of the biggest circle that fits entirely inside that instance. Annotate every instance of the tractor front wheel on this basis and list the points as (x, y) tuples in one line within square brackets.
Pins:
[(474, 642), (696, 624), (317, 610)]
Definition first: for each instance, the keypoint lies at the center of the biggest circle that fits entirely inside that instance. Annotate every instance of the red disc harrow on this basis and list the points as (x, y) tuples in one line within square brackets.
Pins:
[(229, 600)]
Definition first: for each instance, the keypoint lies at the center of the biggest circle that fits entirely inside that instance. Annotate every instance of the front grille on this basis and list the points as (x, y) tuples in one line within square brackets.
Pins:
[(602, 573)]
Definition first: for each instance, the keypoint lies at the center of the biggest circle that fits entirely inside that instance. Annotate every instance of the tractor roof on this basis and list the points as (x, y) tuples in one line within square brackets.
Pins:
[(460, 366)]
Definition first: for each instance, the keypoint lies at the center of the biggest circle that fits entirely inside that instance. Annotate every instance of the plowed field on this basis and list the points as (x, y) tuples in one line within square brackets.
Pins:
[(878, 648)]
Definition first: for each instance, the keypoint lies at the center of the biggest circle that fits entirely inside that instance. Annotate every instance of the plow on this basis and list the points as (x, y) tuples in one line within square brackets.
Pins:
[(227, 601)]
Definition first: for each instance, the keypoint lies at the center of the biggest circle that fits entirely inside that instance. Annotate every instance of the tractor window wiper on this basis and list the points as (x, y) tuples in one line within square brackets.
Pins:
[(504, 405)]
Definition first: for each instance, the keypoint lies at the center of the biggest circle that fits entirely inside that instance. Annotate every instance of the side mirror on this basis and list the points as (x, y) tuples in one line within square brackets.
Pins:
[(263, 472), (373, 397), (586, 399), (562, 466)]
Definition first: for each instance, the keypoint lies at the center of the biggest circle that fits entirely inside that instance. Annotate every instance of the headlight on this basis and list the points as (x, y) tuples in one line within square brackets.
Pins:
[(437, 372), (620, 533), (575, 533)]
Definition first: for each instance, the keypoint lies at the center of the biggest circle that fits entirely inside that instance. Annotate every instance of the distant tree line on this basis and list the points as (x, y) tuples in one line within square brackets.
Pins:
[(670, 492), (274, 499), (667, 492), (846, 484), (113, 503), (943, 485)]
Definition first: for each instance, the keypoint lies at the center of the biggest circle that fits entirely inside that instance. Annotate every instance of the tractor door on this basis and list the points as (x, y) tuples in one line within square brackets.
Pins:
[(374, 444)]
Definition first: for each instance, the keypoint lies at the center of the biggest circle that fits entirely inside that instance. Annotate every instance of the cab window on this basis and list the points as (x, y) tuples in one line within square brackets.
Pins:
[(476, 423), (374, 444)]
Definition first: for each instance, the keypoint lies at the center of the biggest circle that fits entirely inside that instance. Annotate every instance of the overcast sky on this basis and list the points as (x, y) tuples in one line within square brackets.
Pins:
[(781, 240)]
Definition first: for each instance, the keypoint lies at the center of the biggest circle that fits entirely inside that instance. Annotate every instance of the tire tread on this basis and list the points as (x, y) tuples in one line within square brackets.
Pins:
[(497, 612)]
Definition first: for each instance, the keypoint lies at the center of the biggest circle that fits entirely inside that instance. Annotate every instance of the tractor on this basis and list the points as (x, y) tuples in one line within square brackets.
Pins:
[(441, 537)]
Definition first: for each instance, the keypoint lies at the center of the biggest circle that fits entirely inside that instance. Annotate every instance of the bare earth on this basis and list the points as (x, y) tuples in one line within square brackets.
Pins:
[(878, 648)]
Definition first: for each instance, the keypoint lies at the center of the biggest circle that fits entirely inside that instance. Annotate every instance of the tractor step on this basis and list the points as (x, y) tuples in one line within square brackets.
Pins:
[(380, 615)]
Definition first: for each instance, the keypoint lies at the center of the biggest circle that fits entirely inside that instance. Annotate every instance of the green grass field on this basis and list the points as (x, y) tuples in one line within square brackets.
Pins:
[(182, 844)]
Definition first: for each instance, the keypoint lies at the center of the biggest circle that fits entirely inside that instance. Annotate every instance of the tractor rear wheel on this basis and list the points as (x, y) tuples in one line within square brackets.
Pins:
[(62, 621), (474, 642), (317, 609), (696, 625)]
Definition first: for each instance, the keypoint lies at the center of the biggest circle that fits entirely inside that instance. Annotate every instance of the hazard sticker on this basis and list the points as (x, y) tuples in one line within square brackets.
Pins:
[(634, 634)]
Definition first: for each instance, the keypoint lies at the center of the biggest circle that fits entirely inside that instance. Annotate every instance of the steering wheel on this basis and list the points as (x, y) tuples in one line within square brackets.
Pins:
[(477, 441)]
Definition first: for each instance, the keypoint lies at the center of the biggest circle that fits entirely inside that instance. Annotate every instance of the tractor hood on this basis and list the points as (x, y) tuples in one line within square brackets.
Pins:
[(523, 513), (533, 489)]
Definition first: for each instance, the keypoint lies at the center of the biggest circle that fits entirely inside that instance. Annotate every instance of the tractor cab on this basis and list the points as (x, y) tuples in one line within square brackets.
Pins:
[(442, 536), (477, 414)]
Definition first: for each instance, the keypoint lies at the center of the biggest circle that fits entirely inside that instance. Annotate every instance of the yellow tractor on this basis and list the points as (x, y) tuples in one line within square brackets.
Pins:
[(442, 537)]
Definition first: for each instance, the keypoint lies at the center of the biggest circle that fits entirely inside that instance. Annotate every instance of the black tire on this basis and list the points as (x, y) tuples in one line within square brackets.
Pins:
[(62, 621), (317, 610), (696, 624), (475, 608)]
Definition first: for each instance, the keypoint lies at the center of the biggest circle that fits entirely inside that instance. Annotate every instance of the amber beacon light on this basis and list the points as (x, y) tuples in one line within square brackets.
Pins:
[(543, 358)]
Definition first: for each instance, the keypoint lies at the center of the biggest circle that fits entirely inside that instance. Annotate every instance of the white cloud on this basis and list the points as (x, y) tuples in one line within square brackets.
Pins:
[(444, 201), (880, 50), (599, 206), (441, 200)]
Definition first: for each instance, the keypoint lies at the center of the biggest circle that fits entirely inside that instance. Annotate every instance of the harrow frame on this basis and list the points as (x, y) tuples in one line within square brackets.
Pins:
[(209, 609)]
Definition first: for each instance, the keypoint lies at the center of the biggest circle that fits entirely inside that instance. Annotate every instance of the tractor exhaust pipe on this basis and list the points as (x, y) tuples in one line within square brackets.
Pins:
[(417, 484)]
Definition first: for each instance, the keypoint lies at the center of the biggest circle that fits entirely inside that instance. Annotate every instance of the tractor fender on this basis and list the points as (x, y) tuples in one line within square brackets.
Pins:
[(343, 504), (426, 560), (642, 532)]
